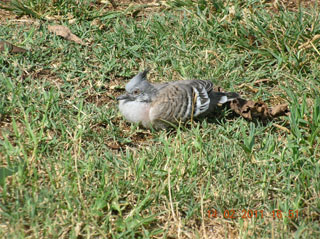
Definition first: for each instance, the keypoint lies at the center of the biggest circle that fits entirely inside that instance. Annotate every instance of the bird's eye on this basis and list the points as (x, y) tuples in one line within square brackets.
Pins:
[(136, 91)]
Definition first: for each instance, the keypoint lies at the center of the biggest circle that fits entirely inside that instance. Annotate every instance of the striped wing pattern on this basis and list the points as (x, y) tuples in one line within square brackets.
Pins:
[(181, 101), (207, 85)]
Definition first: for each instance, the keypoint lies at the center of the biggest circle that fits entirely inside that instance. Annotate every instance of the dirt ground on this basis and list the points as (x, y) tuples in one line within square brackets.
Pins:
[(291, 5)]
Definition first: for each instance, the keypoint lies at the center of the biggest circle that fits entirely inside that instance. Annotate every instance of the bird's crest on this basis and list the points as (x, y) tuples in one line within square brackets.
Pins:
[(135, 81)]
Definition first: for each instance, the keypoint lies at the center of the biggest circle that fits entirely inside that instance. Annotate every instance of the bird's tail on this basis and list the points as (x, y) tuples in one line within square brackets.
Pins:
[(227, 97)]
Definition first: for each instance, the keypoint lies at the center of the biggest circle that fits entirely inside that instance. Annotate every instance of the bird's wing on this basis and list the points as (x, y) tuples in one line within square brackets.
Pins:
[(180, 101), (207, 85)]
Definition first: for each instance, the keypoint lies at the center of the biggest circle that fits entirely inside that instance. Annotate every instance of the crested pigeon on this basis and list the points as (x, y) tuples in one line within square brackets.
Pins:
[(162, 105)]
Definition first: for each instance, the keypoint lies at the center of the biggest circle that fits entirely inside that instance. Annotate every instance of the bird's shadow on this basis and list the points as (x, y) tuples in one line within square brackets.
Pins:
[(224, 113)]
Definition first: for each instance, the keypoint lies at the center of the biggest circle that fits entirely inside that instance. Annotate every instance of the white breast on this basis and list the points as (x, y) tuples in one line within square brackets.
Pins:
[(136, 112)]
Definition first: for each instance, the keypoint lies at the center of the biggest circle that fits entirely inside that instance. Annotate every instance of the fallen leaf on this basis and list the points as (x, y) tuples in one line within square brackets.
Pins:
[(114, 145), (11, 48), (279, 110), (250, 109), (65, 32)]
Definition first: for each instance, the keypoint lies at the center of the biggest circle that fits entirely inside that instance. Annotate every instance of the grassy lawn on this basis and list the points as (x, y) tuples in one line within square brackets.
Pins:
[(72, 167)]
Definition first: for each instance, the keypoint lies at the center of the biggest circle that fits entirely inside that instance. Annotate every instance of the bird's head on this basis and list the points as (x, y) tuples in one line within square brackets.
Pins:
[(139, 83), (138, 89)]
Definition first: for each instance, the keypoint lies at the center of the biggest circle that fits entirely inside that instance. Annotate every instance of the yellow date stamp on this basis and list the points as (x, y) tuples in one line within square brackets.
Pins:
[(249, 214)]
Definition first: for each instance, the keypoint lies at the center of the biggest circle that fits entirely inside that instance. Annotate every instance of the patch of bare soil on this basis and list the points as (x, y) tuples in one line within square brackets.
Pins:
[(133, 8), (126, 138), (5, 121), (136, 140), (124, 3), (112, 89), (99, 99), (292, 5), (6, 15)]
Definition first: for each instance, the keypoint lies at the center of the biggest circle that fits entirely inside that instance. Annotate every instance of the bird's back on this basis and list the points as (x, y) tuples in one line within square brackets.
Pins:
[(179, 101)]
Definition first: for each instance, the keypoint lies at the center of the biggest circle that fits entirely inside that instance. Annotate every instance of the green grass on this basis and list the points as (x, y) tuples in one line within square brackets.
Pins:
[(72, 167)]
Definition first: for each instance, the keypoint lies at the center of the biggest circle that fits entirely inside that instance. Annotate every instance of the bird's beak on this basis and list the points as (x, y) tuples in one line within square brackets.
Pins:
[(123, 97)]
